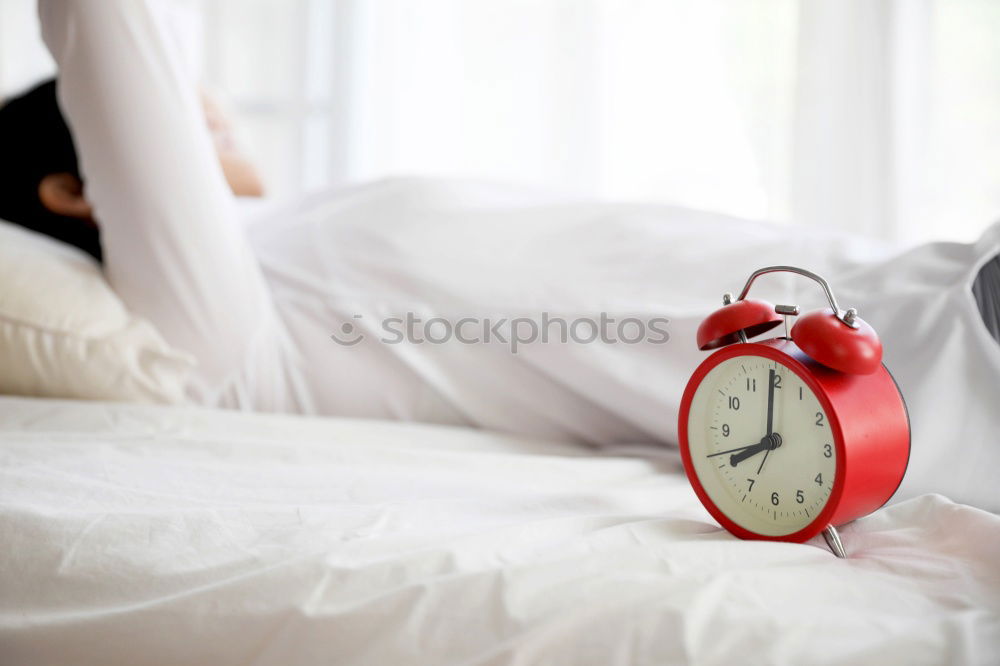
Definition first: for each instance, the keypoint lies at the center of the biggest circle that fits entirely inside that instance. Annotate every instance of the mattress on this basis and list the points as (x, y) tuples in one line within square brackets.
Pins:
[(154, 535)]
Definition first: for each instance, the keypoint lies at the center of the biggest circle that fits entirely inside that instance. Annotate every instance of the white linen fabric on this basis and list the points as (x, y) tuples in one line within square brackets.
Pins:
[(257, 307), (162, 535), (455, 249), (65, 333)]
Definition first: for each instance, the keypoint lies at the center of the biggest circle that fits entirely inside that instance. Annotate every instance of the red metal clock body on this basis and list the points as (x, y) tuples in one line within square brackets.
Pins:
[(868, 423), (857, 402)]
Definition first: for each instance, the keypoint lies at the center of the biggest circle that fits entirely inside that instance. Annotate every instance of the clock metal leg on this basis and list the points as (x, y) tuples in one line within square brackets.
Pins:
[(834, 542)]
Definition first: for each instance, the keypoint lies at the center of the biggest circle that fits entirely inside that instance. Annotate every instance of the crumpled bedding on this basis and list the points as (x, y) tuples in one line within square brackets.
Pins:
[(153, 535)]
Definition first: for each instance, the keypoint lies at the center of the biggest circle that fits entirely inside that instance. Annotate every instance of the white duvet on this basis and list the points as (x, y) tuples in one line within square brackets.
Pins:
[(140, 535)]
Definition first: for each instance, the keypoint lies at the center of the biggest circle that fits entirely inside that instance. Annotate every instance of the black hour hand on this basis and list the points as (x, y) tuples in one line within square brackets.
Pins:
[(767, 443), (748, 452)]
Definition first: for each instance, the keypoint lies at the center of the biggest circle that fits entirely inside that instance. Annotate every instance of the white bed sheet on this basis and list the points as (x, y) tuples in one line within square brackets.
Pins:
[(145, 535)]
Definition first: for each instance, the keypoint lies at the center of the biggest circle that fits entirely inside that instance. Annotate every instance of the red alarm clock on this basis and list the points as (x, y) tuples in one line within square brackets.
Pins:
[(791, 436)]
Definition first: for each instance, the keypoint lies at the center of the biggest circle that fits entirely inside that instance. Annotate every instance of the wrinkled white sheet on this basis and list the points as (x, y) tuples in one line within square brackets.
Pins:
[(143, 535)]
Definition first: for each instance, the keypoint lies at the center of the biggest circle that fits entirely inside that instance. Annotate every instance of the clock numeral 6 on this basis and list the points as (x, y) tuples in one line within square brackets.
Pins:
[(774, 498)]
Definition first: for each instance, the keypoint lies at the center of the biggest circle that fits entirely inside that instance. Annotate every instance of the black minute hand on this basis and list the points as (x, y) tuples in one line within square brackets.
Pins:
[(770, 415), (770, 402)]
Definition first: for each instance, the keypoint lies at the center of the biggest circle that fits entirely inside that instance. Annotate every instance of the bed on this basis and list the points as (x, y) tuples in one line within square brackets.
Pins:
[(151, 535)]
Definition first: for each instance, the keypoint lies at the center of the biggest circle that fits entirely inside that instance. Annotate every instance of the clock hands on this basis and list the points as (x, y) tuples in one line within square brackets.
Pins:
[(770, 416), (770, 402), (738, 448), (767, 443)]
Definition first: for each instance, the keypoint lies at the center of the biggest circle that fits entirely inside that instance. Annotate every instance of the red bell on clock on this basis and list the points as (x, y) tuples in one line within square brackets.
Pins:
[(794, 435), (854, 348), (723, 327)]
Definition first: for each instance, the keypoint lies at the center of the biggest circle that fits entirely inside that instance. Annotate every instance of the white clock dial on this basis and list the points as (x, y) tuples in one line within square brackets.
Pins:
[(771, 484)]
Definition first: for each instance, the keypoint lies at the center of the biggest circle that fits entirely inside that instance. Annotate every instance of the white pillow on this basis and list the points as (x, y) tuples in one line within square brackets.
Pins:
[(64, 333)]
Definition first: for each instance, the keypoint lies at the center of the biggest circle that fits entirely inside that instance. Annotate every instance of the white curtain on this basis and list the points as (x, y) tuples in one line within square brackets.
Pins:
[(23, 57), (634, 100), (876, 116)]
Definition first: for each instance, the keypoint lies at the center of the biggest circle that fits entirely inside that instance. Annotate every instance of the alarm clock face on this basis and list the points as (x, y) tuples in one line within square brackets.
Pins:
[(772, 482)]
